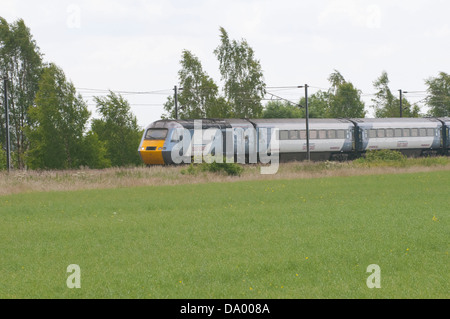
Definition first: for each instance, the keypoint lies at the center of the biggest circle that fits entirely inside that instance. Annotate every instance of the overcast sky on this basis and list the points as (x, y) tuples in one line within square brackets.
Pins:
[(136, 45)]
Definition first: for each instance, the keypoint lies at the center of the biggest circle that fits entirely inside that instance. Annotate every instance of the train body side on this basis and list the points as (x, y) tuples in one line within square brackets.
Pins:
[(410, 136), (330, 139)]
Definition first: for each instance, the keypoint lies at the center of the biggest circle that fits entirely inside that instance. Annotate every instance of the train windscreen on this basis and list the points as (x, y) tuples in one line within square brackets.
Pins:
[(156, 134)]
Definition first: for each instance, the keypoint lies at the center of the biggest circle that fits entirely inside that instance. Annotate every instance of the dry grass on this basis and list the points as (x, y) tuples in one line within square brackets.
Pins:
[(43, 181)]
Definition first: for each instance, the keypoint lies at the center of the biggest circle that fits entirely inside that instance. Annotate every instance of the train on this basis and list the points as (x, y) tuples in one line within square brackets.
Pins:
[(165, 142)]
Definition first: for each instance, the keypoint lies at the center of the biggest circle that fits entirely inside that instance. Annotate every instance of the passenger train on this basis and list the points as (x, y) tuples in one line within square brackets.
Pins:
[(329, 139)]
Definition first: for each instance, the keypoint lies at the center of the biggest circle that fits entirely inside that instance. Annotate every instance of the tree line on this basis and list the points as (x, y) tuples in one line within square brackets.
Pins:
[(52, 128), (49, 120), (244, 90)]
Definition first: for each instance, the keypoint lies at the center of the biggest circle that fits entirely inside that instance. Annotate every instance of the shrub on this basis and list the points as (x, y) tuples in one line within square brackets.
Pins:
[(231, 169), (384, 155)]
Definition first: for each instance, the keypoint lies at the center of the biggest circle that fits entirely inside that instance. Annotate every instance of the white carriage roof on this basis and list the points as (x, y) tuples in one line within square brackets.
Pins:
[(298, 120), (397, 120)]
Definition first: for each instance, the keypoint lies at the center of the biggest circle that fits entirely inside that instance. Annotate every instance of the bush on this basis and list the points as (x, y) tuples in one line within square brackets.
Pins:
[(231, 169), (383, 156)]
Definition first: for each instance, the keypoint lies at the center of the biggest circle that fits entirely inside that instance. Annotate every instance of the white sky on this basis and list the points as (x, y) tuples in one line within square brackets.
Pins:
[(136, 45)]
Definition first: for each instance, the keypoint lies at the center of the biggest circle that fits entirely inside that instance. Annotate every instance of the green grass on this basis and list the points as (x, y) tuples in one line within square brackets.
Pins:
[(310, 238)]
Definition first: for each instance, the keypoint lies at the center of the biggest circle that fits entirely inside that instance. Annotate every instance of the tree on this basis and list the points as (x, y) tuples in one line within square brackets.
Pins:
[(342, 100), (336, 79), (346, 102), (56, 123), (244, 85), (21, 61), (198, 97), (2, 159), (318, 105), (93, 152), (439, 95), (386, 104), (279, 109), (118, 129)]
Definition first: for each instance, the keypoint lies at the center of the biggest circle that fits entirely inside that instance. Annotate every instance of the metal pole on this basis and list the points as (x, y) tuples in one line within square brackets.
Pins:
[(176, 102), (308, 151), (8, 139), (401, 103)]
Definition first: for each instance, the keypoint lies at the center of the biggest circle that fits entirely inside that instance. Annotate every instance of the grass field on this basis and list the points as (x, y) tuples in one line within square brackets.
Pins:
[(299, 238)]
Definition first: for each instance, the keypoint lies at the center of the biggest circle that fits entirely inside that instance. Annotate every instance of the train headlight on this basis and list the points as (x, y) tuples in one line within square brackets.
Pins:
[(160, 149)]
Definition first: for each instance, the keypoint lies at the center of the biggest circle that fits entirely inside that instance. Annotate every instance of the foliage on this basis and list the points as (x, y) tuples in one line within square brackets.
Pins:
[(279, 109), (21, 61), (346, 102), (118, 129), (57, 123), (93, 152), (386, 104), (318, 105), (231, 169), (439, 95), (244, 85), (382, 156), (198, 97), (2, 159)]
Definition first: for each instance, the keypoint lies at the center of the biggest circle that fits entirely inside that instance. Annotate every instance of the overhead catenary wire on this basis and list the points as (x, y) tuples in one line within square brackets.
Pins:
[(282, 93), (157, 92)]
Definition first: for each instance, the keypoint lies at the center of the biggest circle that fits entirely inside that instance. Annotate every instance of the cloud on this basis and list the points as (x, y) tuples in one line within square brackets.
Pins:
[(9, 9), (353, 12), (440, 32)]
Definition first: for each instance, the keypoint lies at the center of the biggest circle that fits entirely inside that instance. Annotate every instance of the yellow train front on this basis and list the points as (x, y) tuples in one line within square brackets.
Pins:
[(158, 140), (152, 143)]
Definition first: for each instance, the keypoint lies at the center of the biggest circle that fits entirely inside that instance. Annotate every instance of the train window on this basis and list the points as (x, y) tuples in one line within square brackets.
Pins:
[(332, 134), (303, 135), (340, 134), (293, 135), (381, 133), (284, 135), (389, 132), (414, 132), (398, 132), (322, 134), (406, 132), (430, 132), (372, 133), (422, 132), (156, 134), (313, 134)]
